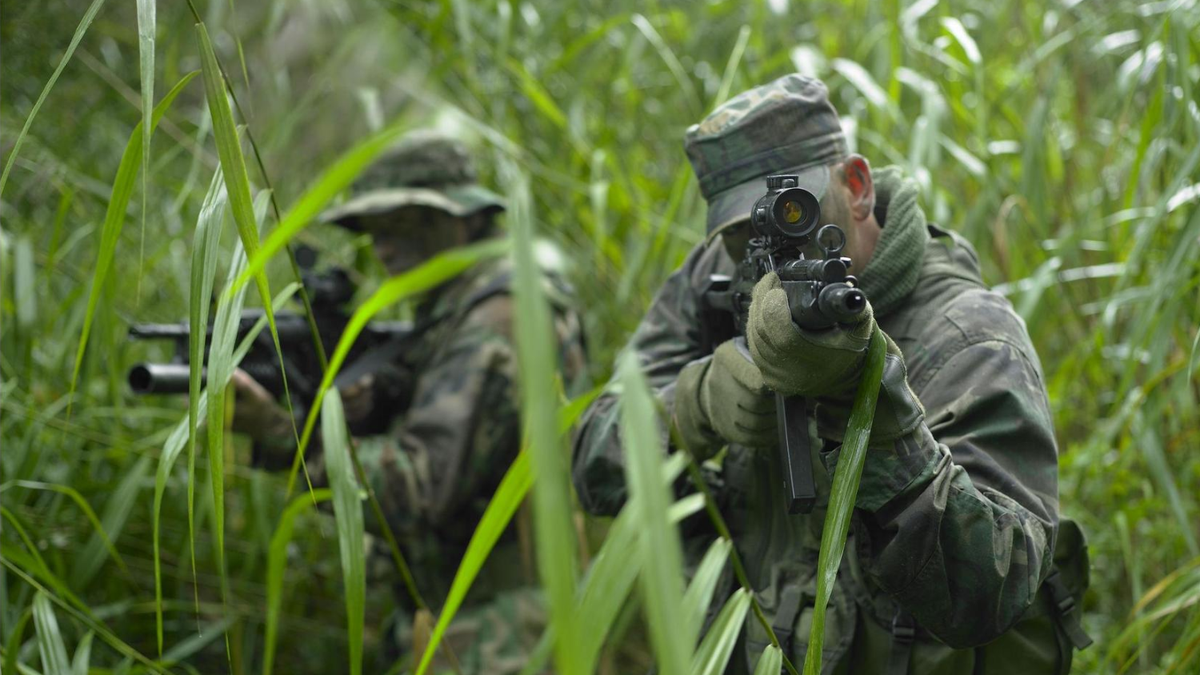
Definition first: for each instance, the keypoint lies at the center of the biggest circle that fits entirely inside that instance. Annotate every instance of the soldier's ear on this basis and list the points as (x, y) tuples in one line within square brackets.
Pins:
[(860, 185)]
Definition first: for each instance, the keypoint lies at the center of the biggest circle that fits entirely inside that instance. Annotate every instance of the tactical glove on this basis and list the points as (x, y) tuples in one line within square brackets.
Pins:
[(722, 398), (898, 411), (804, 363), (827, 365)]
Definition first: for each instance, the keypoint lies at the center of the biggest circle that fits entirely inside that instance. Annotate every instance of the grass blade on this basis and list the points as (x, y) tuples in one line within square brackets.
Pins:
[(23, 535), (713, 654), (347, 509), (205, 249), (671, 60), (963, 38), (537, 95), (170, 452), (219, 370), (610, 579), (203, 636), (116, 513), (866, 85), (731, 66), (554, 531), (24, 286), (86, 21), (34, 562), (237, 179), (13, 644), (843, 495), (276, 563), (661, 579), (770, 662), (174, 446), (146, 27), (86, 618), (83, 506), (114, 220), (608, 583), (699, 593), (49, 638), (83, 654)]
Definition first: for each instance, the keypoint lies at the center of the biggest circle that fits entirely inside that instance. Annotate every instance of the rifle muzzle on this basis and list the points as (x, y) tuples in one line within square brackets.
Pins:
[(841, 302), (160, 378)]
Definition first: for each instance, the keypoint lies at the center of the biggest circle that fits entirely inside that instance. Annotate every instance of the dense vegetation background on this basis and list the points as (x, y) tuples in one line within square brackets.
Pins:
[(1061, 138)]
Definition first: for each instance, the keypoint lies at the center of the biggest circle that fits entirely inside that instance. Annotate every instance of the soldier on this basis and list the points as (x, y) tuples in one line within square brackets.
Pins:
[(442, 457), (953, 542)]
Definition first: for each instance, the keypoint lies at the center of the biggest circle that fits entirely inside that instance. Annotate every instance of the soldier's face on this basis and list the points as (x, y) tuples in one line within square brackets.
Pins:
[(405, 239), (735, 238)]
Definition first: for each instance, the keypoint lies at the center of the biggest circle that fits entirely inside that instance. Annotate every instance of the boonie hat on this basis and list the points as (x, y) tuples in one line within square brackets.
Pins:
[(426, 168), (785, 127)]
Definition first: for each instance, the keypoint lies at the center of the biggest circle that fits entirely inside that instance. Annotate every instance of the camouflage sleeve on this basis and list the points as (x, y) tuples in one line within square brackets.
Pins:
[(963, 511), (665, 341), (461, 433)]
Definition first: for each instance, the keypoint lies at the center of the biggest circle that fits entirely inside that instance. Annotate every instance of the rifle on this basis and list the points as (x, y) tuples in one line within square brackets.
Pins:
[(378, 350), (820, 295)]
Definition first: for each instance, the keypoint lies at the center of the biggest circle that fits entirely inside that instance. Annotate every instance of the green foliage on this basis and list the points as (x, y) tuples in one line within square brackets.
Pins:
[(114, 218), (556, 556), (50, 639), (347, 507), (1063, 140), (658, 546), (276, 563), (842, 496), (84, 23)]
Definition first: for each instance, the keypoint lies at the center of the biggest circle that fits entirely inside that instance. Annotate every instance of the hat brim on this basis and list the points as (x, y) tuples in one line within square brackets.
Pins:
[(733, 206), (459, 201)]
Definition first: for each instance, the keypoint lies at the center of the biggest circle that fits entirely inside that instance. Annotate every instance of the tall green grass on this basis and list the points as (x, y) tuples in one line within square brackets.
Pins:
[(1062, 140)]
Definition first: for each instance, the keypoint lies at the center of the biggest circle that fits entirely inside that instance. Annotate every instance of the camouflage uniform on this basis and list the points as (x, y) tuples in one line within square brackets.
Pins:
[(955, 523), (437, 467)]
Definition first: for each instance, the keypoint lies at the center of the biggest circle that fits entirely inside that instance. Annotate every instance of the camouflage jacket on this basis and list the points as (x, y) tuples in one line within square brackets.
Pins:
[(954, 524), (441, 460)]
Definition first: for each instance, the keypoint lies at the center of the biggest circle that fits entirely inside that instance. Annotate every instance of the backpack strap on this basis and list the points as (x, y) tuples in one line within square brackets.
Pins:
[(1064, 606), (904, 631)]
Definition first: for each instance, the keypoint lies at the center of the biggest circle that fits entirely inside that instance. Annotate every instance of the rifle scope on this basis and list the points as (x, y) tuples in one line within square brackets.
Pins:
[(786, 211)]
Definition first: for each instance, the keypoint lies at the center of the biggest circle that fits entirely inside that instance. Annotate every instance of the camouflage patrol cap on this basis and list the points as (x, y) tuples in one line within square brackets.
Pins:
[(786, 126), (426, 168)]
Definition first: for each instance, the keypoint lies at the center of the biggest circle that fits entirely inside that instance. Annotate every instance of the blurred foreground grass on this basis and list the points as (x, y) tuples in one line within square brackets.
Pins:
[(1061, 138)]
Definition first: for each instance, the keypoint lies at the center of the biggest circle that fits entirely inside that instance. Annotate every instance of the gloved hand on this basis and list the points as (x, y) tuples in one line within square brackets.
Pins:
[(722, 398), (258, 415), (827, 365), (794, 362), (358, 398)]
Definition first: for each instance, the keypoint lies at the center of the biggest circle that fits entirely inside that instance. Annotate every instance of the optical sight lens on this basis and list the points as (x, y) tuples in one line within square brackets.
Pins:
[(792, 212)]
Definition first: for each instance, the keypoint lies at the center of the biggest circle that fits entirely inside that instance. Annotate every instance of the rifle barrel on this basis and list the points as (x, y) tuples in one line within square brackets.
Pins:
[(160, 378)]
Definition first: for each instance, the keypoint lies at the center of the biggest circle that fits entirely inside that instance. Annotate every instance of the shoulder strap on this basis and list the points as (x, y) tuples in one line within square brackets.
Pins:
[(904, 631), (1065, 612)]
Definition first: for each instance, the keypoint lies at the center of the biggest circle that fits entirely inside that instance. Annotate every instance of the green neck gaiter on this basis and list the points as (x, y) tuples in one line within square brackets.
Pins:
[(895, 267)]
